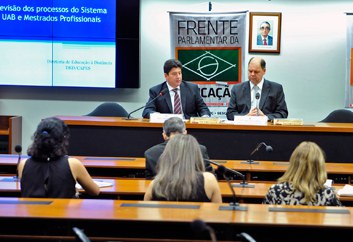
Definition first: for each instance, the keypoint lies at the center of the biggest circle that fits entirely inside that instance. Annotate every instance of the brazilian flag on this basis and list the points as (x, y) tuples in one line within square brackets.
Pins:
[(211, 64)]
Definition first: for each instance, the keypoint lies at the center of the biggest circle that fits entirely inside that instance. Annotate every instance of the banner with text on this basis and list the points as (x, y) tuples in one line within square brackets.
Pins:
[(211, 48)]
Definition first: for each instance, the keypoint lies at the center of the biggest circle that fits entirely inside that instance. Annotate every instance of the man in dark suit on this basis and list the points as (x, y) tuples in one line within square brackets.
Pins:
[(192, 104), (171, 127), (270, 99)]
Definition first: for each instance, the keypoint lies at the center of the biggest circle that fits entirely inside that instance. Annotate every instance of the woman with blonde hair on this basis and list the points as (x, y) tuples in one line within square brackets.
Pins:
[(303, 182), (181, 174)]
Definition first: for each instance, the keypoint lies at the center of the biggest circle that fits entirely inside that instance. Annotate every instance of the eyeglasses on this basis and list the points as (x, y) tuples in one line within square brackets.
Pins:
[(267, 28)]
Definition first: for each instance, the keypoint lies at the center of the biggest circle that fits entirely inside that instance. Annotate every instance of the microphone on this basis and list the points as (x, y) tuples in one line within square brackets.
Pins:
[(222, 84), (233, 205), (200, 226), (148, 103), (246, 237), (268, 149), (257, 97), (222, 169), (18, 149), (80, 235)]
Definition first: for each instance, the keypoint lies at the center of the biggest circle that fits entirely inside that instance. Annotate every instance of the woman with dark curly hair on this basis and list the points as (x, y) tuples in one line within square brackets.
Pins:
[(49, 172)]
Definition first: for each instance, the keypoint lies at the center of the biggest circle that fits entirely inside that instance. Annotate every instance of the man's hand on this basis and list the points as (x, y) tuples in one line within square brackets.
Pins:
[(254, 112)]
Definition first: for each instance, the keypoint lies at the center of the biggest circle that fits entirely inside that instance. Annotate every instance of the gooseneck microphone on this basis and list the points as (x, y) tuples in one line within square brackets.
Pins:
[(234, 205), (200, 226), (257, 97), (222, 169), (268, 149), (161, 93), (246, 237), (18, 149), (80, 235)]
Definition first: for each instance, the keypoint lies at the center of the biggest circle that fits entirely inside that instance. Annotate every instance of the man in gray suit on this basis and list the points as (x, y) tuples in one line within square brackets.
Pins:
[(258, 96), (163, 96), (171, 127)]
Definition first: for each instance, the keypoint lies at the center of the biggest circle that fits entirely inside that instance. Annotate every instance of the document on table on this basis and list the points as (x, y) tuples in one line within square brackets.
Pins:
[(98, 182), (347, 190)]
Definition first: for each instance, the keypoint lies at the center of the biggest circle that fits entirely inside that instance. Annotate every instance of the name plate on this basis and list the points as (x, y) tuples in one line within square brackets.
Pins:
[(288, 121), (250, 120), (161, 117), (201, 120)]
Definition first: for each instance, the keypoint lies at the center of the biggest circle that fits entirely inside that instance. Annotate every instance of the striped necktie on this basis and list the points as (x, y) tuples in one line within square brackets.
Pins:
[(177, 104)]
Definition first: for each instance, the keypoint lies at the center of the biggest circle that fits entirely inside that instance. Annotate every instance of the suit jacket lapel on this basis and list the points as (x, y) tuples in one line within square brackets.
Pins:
[(167, 98), (183, 93), (247, 95), (264, 93)]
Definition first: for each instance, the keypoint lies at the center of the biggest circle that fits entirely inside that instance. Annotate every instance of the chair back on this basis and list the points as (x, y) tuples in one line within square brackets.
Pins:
[(109, 110), (339, 116)]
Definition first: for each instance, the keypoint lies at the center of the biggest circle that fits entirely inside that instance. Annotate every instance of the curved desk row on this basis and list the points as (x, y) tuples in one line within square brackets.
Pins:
[(53, 219), (134, 189), (134, 167), (111, 136)]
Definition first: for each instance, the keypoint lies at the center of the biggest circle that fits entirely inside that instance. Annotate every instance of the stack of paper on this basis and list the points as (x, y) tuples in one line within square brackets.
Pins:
[(347, 190), (328, 183), (99, 183)]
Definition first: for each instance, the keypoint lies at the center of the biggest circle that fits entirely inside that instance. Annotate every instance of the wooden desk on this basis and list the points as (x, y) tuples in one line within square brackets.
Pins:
[(134, 167), (341, 173), (131, 167), (134, 189), (123, 220), (109, 136)]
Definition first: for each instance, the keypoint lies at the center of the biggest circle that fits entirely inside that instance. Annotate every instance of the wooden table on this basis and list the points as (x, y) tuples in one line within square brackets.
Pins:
[(134, 189), (110, 136), (134, 167), (121, 220)]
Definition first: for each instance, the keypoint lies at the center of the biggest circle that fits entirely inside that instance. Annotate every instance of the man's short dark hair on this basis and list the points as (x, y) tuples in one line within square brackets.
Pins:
[(173, 125), (170, 64)]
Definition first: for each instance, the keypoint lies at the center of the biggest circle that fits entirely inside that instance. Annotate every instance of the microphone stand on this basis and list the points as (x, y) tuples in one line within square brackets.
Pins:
[(200, 226), (234, 205), (243, 183), (129, 117), (250, 161), (18, 149)]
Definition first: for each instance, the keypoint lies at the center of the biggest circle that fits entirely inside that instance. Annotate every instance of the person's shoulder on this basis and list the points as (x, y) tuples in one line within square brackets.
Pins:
[(272, 83), (155, 148), (159, 86), (240, 85), (202, 147), (188, 84), (208, 176), (74, 161)]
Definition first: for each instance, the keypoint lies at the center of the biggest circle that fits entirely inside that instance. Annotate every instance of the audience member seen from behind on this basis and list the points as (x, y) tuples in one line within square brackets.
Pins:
[(49, 172), (270, 99), (175, 95), (171, 127), (181, 174), (303, 182)]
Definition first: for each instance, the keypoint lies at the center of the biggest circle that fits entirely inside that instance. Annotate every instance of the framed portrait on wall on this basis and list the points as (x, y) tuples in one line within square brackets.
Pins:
[(265, 32)]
